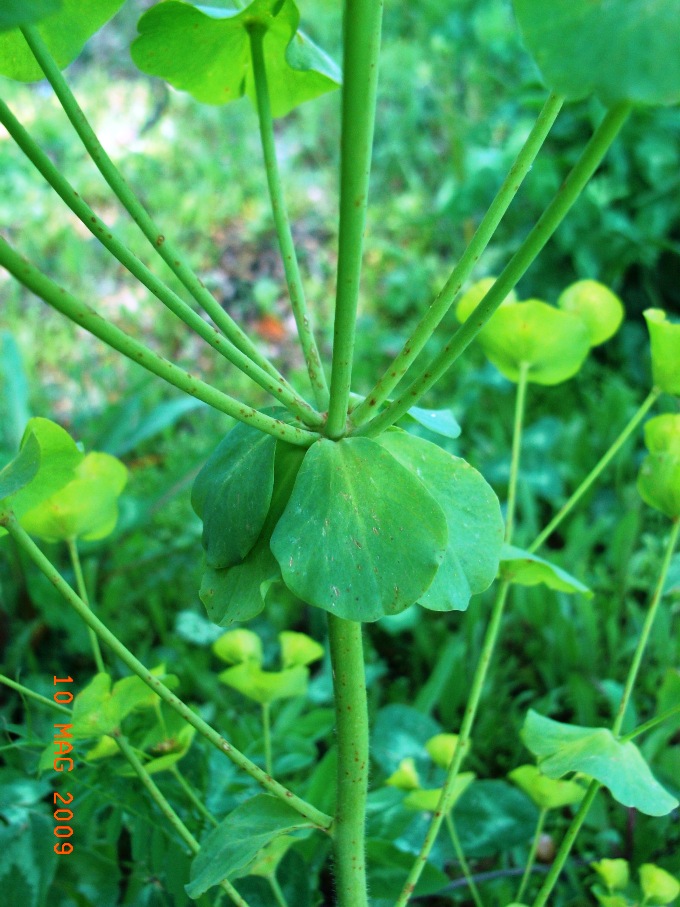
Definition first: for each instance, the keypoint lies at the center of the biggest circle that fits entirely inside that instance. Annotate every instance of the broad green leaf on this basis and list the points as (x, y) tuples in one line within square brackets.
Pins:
[(595, 752), (64, 32), (266, 686), (621, 50), (86, 508), (401, 732), (231, 848), (238, 593), (104, 748), (269, 857), (132, 693), (664, 336), (547, 793), (662, 433), (16, 13), (593, 302), (406, 775), (441, 748), (206, 51), (658, 886), (428, 800), (525, 569), (659, 483), (361, 537), (239, 646), (59, 458), (387, 866), (493, 817), (471, 298), (473, 518), (439, 421), (298, 649), (551, 342), (94, 711), (614, 873), (232, 494), (170, 750)]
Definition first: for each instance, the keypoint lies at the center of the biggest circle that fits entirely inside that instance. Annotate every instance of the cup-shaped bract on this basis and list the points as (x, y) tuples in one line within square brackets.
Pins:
[(238, 647), (471, 298), (600, 309), (659, 477), (658, 886), (664, 337), (614, 873)]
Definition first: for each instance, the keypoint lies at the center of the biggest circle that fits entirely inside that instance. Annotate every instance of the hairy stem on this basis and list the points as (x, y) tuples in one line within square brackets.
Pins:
[(82, 592), (111, 640), (278, 388), (89, 319), (291, 268), (484, 233), (597, 470), (162, 245), (362, 29), (544, 228), (351, 725)]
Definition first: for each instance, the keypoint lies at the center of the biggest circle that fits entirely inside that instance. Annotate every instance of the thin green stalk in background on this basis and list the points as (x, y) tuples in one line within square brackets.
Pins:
[(351, 727), (170, 254), (597, 469), (267, 737), (647, 726), (444, 805), (161, 802), (278, 388), (578, 820), (25, 542), (82, 592), (279, 896), (362, 26), (291, 268), (192, 795), (532, 853), (20, 688), (447, 295), (86, 317), (548, 222), (460, 853)]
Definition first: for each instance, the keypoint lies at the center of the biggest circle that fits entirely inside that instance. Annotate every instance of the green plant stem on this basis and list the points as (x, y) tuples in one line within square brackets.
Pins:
[(566, 845), (544, 228), (597, 470), (351, 727), (532, 853), (278, 388), (279, 896), (192, 796), (163, 246), (484, 233), (520, 403), (634, 669), (291, 268), (108, 638), (267, 737), (455, 840), (88, 318), (161, 802), (362, 28), (20, 688), (648, 725), (82, 592), (594, 786)]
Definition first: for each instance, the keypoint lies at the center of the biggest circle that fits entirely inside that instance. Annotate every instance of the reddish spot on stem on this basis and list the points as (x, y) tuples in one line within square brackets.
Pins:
[(160, 239)]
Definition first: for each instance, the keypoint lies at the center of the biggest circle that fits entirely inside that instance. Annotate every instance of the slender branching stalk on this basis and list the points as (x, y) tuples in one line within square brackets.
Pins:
[(291, 268), (88, 318), (192, 796), (544, 228), (278, 388), (648, 725), (531, 859), (362, 31), (43, 700), (267, 737), (25, 542), (82, 592), (351, 726), (447, 295), (460, 854), (520, 404), (158, 240)]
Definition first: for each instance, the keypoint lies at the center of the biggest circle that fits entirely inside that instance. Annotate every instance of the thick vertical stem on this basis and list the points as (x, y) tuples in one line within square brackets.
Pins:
[(362, 27), (351, 722), (288, 255)]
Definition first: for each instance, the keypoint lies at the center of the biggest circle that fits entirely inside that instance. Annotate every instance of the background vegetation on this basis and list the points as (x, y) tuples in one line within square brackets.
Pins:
[(457, 98)]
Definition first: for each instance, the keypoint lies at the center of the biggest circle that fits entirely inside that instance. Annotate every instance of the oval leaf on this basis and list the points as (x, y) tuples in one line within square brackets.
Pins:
[(239, 646), (658, 886), (231, 848), (206, 52), (664, 336), (64, 32), (438, 421), (622, 50), (662, 433), (593, 302), (525, 569), (658, 483), (15, 13), (361, 536), (298, 649), (473, 517), (266, 686), (595, 752)]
